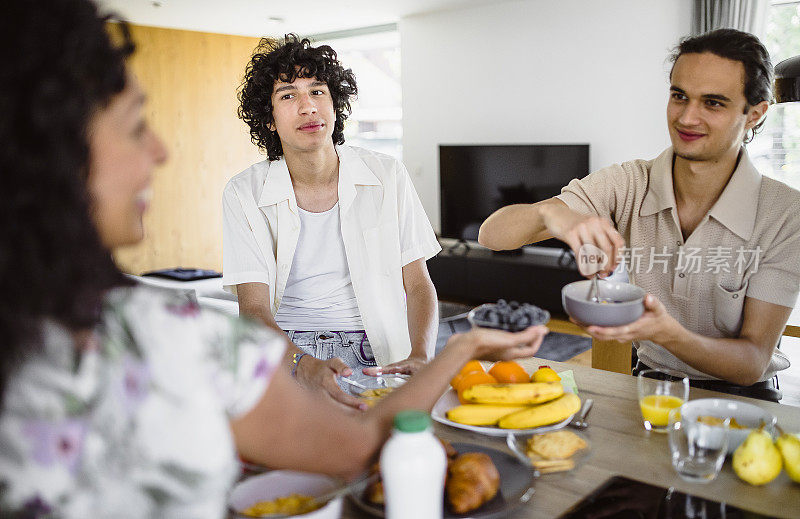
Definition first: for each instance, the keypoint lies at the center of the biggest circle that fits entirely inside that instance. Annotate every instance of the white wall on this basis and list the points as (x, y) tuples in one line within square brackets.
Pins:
[(538, 71)]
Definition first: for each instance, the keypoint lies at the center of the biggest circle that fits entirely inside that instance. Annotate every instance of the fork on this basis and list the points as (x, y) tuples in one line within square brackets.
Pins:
[(579, 422)]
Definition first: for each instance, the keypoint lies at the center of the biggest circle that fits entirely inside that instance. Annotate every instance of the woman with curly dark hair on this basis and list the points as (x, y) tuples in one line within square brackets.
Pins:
[(119, 400), (324, 241)]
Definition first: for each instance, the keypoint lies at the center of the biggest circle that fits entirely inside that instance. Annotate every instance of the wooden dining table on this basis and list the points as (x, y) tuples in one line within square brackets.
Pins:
[(619, 445)]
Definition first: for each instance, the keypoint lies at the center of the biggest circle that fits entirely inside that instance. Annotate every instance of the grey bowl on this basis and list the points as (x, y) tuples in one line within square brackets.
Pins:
[(625, 303)]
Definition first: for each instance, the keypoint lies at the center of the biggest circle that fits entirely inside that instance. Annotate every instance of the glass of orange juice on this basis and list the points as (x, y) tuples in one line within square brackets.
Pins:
[(660, 391)]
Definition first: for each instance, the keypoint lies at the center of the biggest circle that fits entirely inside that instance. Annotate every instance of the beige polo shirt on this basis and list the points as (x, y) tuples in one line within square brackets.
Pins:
[(748, 245)]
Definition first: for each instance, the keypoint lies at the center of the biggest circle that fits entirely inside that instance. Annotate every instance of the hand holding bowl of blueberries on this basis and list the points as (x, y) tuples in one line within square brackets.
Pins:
[(512, 317)]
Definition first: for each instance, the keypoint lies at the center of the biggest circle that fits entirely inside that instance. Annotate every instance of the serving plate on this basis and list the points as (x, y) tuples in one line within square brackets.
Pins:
[(516, 487), (449, 400)]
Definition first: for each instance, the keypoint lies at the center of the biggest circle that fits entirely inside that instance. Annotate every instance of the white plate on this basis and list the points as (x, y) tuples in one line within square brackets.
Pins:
[(449, 400)]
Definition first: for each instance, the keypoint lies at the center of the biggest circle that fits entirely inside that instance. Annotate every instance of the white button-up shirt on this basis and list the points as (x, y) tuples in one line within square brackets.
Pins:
[(383, 226)]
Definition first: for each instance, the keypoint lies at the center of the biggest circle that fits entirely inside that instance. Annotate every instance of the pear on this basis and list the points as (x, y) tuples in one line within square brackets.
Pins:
[(789, 446), (757, 460)]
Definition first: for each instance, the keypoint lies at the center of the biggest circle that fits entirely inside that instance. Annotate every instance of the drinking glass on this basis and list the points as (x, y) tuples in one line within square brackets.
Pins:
[(659, 392), (698, 450)]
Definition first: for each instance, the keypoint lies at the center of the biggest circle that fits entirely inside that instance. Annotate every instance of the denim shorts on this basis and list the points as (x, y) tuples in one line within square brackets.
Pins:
[(351, 346)]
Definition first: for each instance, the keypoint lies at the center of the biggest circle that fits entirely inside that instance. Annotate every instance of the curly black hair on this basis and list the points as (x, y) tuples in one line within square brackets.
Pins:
[(739, 46), (286, 61), (58, 66)]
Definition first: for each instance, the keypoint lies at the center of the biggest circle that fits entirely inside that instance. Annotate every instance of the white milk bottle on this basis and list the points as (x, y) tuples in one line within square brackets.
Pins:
[(413, 465)]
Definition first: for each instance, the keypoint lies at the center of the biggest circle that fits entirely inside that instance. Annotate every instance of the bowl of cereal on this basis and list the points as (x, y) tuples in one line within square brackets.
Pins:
[(285, 492), (619, 303), (743, 417), (371, 388)]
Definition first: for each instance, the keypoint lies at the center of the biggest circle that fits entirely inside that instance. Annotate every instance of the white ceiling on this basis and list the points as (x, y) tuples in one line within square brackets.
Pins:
[(252, 17)]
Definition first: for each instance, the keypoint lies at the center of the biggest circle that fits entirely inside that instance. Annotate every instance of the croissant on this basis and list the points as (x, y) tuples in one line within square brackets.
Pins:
[(374, 493), (472, 481)]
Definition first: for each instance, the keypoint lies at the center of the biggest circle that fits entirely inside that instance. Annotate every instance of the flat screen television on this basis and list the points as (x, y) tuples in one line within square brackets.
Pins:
[(476, 180)]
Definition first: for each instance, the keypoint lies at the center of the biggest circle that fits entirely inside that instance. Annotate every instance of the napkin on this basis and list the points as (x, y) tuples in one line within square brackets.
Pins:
[(568, 380)]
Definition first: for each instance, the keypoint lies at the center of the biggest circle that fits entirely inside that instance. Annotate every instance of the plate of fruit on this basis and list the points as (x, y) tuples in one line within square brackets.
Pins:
[(506, 400)]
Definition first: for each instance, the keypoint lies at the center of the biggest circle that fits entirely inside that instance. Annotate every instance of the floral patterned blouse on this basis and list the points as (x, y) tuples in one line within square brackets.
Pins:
[(135, 424)]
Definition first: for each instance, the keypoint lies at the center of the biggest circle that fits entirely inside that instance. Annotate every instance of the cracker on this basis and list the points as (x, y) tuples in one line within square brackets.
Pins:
[(549, 466), (556, 445)]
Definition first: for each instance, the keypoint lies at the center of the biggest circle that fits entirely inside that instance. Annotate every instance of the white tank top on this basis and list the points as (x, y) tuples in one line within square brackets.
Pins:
[(319, 294)]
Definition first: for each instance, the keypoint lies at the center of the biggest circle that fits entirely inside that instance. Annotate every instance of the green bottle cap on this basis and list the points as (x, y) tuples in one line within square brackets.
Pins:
[(411, 421)]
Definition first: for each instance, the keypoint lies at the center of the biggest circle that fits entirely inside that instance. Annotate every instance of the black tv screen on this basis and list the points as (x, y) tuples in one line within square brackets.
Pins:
[(475, 181)]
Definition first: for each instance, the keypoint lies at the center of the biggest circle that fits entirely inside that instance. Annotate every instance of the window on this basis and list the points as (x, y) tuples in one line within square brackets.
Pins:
[(776, 150), (376, 121)]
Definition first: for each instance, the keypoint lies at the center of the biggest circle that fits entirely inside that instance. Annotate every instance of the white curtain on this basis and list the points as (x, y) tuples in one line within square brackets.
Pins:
[(745, 15)]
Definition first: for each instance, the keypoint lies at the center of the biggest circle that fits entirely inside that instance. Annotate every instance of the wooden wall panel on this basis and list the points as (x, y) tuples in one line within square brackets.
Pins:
[(191, 80)]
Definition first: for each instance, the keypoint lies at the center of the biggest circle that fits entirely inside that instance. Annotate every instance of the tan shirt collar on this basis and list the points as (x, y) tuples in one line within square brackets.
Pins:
[(352, 172), (736, 207)]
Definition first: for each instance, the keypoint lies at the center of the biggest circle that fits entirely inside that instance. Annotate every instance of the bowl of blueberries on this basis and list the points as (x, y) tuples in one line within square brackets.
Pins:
[(512, 317)]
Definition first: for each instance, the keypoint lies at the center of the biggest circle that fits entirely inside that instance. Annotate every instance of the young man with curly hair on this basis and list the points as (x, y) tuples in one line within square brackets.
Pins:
[(717, 244), (325, 241)]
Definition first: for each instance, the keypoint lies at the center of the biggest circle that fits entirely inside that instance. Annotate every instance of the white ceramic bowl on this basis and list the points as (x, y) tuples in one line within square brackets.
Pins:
[(279, 483), (747, 415)]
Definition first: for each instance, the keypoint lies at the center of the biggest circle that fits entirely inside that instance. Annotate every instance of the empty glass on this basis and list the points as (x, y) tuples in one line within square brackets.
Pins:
[(659, 392), (698, 450)]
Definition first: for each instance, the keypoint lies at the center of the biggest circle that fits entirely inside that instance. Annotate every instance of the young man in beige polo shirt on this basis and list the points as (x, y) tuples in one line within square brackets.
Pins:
[(715, 244)]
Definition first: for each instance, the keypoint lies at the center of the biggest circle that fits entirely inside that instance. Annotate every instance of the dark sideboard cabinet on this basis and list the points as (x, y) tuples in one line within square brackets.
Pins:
[(478, 275)]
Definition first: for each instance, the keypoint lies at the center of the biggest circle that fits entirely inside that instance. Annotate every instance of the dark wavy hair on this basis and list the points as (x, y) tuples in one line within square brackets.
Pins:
[(737, 46), (57, 66), (286, 61)]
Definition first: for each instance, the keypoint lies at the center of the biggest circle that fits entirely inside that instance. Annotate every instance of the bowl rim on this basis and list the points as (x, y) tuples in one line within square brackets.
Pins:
[(633, 302)]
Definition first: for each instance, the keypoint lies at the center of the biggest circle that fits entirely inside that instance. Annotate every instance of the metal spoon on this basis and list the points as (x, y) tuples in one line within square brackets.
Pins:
[(579, 422), (594, 293)]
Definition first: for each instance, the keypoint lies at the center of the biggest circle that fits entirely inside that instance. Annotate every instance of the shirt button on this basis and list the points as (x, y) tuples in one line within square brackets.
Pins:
[(735, 296), (681, 275), (678, 242)]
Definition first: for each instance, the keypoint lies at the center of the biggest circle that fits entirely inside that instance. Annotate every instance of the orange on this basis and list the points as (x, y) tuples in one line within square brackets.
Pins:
[(454, 381), (508, 372), (471, 367), (473, 379)]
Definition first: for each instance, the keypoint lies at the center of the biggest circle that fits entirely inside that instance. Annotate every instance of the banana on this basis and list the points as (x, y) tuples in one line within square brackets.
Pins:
[(544, 414), (514, 394), (477, 414)]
